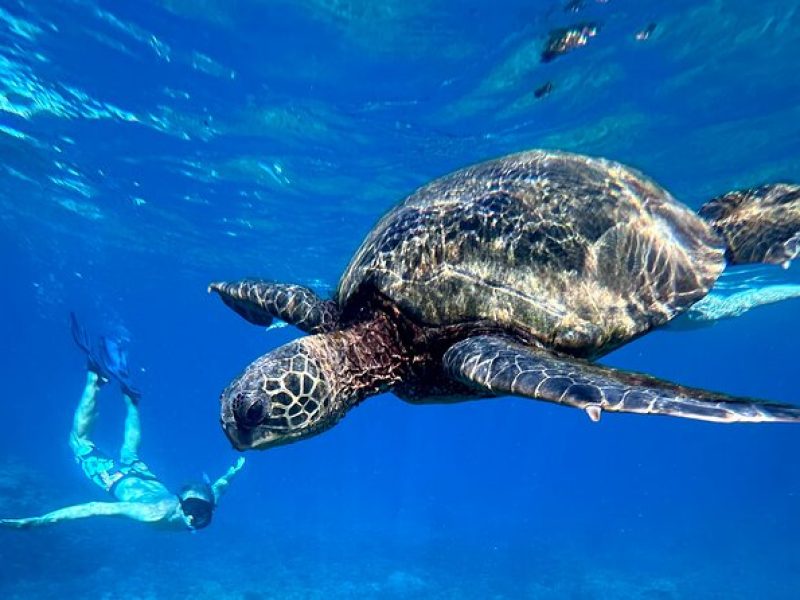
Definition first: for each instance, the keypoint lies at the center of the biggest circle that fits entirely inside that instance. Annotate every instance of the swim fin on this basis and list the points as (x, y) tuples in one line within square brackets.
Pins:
[(109, 360), (93, 363), (115, 360)]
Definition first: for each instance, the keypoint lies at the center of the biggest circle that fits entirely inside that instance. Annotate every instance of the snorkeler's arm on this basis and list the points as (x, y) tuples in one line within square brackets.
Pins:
[(715, 307), (138, 511), (221, 484)]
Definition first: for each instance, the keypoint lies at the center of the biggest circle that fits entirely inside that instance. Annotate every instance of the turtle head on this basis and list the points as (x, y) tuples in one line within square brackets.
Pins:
[(280, 398)]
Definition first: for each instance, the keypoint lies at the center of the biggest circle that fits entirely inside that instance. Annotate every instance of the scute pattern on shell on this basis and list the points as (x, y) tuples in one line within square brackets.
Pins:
[(580, 253)]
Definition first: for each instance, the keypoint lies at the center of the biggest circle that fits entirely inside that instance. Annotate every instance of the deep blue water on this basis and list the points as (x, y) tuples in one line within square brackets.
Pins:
[(149, 148)]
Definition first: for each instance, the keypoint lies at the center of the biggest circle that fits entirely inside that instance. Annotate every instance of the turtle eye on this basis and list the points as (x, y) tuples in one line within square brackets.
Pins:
[(250, 415)]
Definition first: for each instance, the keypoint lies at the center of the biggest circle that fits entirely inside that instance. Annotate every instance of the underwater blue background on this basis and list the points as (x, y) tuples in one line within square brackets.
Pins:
[(148, 148)]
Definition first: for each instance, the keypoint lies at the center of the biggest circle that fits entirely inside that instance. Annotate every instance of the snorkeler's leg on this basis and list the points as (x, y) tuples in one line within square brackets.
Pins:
[(717, 306), (85, 415), (129, 452)]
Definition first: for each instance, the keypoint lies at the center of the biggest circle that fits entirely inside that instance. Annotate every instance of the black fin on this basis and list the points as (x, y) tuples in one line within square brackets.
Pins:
[(84, 342), (79, 334), (108, 361), (114, 360)]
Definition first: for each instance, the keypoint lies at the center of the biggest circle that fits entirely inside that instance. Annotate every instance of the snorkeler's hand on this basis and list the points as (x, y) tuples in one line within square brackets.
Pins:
[(16, 523), (221, 484)]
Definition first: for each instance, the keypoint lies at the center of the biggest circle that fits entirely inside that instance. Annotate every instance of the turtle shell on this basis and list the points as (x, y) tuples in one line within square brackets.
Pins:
[(581, 254)]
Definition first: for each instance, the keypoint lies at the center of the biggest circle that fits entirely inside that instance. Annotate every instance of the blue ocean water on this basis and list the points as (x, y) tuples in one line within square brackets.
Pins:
[(149, 148)]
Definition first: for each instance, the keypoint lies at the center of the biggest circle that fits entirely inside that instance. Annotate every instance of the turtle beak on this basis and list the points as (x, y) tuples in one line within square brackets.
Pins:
[(254, 439), (244, 438), (233, 434), (240, 438)]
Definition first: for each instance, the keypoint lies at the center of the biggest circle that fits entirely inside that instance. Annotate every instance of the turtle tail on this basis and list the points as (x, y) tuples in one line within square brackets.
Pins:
[(758, 225)]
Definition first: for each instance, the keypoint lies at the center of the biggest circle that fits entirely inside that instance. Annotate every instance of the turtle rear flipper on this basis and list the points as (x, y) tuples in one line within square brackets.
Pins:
[(501, 366), (759, 225), (259, 302)]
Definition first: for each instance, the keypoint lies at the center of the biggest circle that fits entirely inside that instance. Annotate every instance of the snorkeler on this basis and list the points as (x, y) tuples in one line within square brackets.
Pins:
[(139, 494)]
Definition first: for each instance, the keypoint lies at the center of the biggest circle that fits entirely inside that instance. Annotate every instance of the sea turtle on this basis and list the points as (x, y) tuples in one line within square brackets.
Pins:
[(507, 278)]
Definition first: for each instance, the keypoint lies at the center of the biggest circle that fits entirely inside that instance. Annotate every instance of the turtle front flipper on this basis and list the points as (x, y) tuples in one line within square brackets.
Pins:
[(259, 302), (503, 367), (759, 225)]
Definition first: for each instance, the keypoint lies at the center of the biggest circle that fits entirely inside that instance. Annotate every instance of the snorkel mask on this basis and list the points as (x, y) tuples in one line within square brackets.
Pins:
[(197, 505)]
